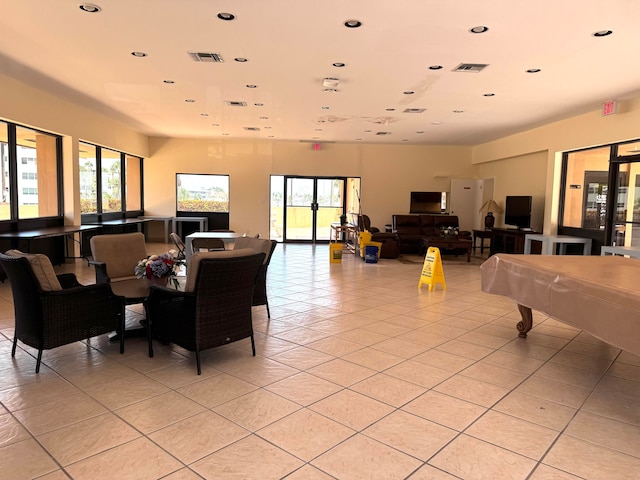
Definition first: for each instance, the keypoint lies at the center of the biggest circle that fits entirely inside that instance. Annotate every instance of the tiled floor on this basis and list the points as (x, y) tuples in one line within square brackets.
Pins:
[(359, 375)]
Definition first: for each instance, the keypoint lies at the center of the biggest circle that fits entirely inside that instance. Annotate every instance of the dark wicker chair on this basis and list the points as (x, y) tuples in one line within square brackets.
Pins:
[(267, 247), (216, 312), (50, 319)]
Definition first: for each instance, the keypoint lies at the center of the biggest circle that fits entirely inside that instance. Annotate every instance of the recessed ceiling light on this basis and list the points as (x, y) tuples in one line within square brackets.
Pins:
[(435, 67), (204, 114), (318, 129), (139, 54), (339, 64), (267, 128), (489, 94), (409, 92), (169, 82), (436, 123), (479, 29), (367, 131), (420, 132), (533, 70), (353, 23), (258, 104), (241, 59), (358, 139), (89, 8), (270, 136), (225, 134), (458, 111), (252, 86), (315, 138), (390, 109), (264, 118), (603, 33), (190, 100), (226, 16), (405, 140), (325, 108), (215, 124)]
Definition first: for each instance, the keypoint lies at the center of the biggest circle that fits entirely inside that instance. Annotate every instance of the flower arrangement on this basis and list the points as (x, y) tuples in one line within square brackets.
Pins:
[(160, 266), (447, 231)]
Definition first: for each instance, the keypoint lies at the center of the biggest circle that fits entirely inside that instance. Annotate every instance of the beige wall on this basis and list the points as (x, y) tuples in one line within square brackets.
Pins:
[(388, 173), (522, 164)]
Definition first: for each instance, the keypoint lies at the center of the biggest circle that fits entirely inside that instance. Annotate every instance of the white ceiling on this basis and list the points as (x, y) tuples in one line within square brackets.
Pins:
[(291, 46)]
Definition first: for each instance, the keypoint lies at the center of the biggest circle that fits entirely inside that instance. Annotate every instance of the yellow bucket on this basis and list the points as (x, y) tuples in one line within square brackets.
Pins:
[(335, 253)]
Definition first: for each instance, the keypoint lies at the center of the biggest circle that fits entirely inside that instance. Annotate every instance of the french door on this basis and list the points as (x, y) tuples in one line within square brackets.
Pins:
[(312, 204)]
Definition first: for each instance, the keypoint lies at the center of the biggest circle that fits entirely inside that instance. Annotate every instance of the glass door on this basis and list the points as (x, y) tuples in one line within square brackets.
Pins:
[(312, 204), (626, 216)]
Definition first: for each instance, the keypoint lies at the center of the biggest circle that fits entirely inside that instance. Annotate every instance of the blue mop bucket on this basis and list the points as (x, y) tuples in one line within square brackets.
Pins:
[(371, 254)]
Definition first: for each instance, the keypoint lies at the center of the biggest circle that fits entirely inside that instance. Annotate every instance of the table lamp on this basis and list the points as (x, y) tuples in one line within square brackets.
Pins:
[(489, 207)]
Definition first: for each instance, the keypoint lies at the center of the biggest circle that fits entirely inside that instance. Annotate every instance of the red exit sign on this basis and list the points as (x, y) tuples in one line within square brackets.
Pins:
[(609, 108)]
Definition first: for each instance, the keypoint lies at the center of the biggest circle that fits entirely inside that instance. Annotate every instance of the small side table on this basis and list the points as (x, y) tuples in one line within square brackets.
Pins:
[(482, 234)]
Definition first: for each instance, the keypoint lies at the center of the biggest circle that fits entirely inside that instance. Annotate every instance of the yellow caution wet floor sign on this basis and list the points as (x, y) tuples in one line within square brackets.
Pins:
[(432, 272)]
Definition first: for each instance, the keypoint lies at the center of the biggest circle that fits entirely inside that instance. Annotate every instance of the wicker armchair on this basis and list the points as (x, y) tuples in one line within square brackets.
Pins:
[(64, 312), (267, 247), (214, 309)]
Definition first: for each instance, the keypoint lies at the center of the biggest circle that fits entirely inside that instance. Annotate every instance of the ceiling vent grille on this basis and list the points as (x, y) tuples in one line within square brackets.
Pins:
[(252, 129), (414, 110), (232, 103), (383, 133), (470, 67), (209, 57)]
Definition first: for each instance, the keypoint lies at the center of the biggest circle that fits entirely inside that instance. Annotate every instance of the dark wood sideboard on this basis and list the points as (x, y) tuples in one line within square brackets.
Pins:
[(511, 240)]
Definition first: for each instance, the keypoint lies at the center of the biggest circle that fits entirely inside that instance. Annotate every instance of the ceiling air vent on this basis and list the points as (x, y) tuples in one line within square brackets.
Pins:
[(470, 67), (383, 133), (232, 103), (206, 57), (413, 110), (252, 129)]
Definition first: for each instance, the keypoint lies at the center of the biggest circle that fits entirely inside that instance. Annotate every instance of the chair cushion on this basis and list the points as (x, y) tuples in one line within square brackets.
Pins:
[(42, 269), (120, 252), (194, 263), (258, 245)]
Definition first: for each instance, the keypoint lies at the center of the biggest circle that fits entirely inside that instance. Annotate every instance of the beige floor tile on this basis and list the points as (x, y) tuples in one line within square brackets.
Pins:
[(36, 393), (494, 374), (620, 388), (335, 346), (418, 373), (307, 472), (361, 336), (387, 389), (127, 391), (342, 372), (603, 431), (586, 344), (557, 392), (362, 457), (139, 459), (410, 434), (216, 390), (421, 337), (511, 433), (545, 472), (248, 459), (262, 372), (183, 474), (472, 390), (374, 359), (517, 363), (625, 371), (587, 460), (302, 335), (612, 406), (583, 362), (443, 360), (25, 460), (86, 438), (400, 348), (59, 413), (536, 410), (196, 437), (57, 475), (11, 431), (569, 375), (306, 434), (520, 346), (445, 410), (465, 349), (302, 358), (352, 409), (304, 388), (470, 458), (159, 411), (427, 472), (386, 328), (256, 409)]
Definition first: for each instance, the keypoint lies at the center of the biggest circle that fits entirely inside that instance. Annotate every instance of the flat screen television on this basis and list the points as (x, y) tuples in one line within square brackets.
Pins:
[(517, 211), (427, 202)]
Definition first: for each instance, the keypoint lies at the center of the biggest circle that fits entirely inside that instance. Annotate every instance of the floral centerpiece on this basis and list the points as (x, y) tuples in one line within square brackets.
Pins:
[(448, 231), (160, 269)]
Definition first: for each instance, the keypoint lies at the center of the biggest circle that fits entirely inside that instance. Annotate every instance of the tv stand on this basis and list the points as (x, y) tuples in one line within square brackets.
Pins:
[(509, 240)]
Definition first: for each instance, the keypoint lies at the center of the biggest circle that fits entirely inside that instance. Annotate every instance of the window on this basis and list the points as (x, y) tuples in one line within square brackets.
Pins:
[(202, 193), (5, 193), (103, 193)]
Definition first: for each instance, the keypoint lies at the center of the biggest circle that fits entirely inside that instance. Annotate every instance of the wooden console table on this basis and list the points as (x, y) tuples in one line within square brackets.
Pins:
[(509, 240), (448, 243)]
